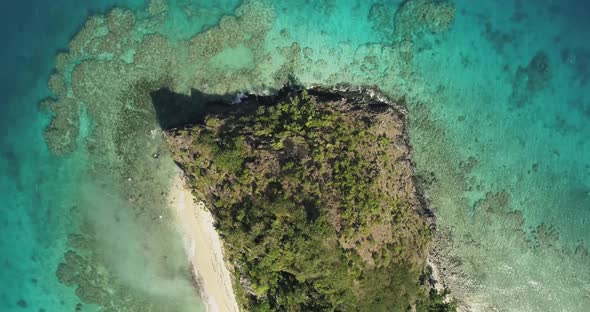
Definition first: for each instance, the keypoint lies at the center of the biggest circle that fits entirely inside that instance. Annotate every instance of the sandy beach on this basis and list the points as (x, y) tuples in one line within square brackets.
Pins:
[(204, 248)]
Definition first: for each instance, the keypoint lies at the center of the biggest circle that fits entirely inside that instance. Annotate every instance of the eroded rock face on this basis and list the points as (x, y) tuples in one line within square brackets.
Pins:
[(314, 194)]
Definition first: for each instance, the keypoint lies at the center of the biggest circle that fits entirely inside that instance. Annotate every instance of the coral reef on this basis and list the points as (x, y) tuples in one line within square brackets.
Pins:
[(415, 17), (486, 214), (531, 79), (98, 283), (538, 71), (497, 38), (62, 133), (545, 235), (112, 67), (381, 15), (93, 285)]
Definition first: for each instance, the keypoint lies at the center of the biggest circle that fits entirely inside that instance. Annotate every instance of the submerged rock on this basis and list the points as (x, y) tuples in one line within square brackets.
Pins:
[(313, 192), (530, 80), (414, 17)]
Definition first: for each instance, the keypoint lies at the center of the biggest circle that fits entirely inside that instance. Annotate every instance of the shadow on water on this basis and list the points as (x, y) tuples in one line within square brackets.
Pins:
[(174, 110)]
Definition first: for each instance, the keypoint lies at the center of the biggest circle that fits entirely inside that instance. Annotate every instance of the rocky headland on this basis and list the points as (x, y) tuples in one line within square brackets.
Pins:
[(314, 195)]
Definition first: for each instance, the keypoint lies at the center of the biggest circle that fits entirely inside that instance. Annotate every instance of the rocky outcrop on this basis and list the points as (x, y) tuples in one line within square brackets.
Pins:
[(313, 192)]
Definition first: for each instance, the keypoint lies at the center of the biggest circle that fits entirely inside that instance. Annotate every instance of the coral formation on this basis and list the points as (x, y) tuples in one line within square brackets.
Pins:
[(111, 65), (531, 79), (97, 283), (538, 71), (545, 235), (91, 284), (381, 15), (414, 17), (497, 38), (61, 134)]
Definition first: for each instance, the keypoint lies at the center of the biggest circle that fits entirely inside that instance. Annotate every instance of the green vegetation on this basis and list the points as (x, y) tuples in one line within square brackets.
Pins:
[(315, 202)]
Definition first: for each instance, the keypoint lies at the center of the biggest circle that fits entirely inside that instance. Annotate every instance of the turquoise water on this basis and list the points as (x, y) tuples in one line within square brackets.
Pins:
[(498, 109), (36, 186)]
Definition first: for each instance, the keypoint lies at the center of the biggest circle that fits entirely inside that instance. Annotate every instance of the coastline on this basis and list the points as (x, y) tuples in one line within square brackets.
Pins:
[(203, 247)]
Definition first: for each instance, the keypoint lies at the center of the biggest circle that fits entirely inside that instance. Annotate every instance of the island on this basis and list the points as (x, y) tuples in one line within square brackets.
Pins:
[(313, 194)]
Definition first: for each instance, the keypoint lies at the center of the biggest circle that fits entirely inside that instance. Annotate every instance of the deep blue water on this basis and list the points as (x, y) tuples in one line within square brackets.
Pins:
[(525, 154)]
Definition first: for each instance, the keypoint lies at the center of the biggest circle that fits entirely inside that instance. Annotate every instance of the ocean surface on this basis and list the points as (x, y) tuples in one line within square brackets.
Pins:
[(497, 93)]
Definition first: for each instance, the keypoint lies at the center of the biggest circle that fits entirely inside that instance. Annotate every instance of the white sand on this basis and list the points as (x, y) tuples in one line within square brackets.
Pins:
[(204, 248)]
